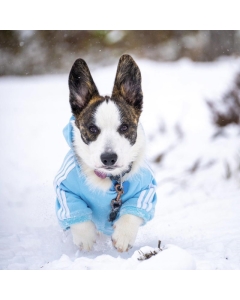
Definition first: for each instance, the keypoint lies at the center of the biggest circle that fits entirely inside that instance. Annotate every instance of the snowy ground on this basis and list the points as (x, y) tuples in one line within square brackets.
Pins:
[(197, 215)]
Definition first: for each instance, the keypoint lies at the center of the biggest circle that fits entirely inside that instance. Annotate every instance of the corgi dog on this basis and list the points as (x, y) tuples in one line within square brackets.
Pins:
[(105, 183)]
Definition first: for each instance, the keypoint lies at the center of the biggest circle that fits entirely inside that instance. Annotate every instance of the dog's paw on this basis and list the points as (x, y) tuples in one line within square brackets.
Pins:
[(84, 235), (125, 232)]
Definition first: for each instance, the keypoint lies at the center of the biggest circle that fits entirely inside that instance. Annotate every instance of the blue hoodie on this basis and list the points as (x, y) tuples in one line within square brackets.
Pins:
[(77, 203)]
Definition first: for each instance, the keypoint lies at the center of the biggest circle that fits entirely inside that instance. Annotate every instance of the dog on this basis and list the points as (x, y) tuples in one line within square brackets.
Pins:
[(105, 184)]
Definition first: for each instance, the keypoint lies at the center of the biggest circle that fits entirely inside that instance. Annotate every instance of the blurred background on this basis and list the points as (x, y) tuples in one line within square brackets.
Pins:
[(29, 52), (33, 52)]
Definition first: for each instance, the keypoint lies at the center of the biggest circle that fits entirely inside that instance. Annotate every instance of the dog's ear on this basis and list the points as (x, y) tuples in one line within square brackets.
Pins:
[(127, 85), (81, 86)]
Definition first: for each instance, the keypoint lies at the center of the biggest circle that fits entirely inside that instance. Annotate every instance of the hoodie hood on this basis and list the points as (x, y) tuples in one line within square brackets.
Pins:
[(68, 132)]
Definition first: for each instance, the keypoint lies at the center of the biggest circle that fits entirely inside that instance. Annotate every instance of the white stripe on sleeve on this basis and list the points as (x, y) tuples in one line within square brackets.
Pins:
[(63, 212), (66, 209), (140, 199), (66, 164), (148, 197), (68, 168)]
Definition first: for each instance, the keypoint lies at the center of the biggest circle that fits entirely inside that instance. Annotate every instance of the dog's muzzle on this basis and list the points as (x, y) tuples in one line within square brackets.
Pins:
[(113, 177)]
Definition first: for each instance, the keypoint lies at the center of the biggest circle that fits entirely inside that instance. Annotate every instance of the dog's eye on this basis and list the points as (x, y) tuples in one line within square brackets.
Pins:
[(93, 129), (123, 127)]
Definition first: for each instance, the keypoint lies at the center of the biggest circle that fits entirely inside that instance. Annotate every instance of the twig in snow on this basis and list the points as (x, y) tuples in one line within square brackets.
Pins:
[(148, 255)]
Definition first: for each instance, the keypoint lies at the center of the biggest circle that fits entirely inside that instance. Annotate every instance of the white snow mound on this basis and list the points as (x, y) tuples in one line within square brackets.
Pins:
[(171, 258)]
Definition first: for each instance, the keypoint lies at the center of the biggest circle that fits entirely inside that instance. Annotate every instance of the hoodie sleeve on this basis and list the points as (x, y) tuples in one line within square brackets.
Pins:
[(142, 194), (70, 208)]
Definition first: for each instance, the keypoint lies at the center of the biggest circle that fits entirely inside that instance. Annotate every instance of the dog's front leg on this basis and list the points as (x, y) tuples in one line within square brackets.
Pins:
[(84, 235), (125, 232)]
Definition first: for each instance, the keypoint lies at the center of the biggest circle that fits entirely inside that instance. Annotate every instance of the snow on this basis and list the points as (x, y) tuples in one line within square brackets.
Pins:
[(197, 214), (172, 258)]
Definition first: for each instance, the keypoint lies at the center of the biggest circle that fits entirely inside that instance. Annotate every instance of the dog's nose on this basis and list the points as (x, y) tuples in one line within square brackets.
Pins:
[(109, 159)]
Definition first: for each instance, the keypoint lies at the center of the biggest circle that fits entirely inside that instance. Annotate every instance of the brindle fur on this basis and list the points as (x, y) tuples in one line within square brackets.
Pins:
[(86, 118), (126, 94), (81, 85), (127, 85), (129, 116)]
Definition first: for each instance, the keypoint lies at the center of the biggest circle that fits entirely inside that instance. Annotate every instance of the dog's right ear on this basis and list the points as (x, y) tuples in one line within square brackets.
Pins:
[(81, 86), (127, 85)]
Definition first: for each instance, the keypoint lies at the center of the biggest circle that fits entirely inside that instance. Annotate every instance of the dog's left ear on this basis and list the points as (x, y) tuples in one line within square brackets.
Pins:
[(127, 85)]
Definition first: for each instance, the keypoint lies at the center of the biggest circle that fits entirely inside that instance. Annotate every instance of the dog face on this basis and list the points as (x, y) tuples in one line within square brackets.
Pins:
[(109, 134)]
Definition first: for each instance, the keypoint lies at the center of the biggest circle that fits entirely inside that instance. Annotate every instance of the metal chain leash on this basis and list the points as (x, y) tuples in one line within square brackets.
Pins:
[(116, 203)]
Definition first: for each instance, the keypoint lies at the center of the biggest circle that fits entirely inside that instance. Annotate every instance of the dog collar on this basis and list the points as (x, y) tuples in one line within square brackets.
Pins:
[(118, 178)]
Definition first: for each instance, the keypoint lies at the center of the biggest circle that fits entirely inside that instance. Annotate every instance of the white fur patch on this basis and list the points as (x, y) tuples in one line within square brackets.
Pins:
[(84, 235), (107, 119), (125, 232)]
